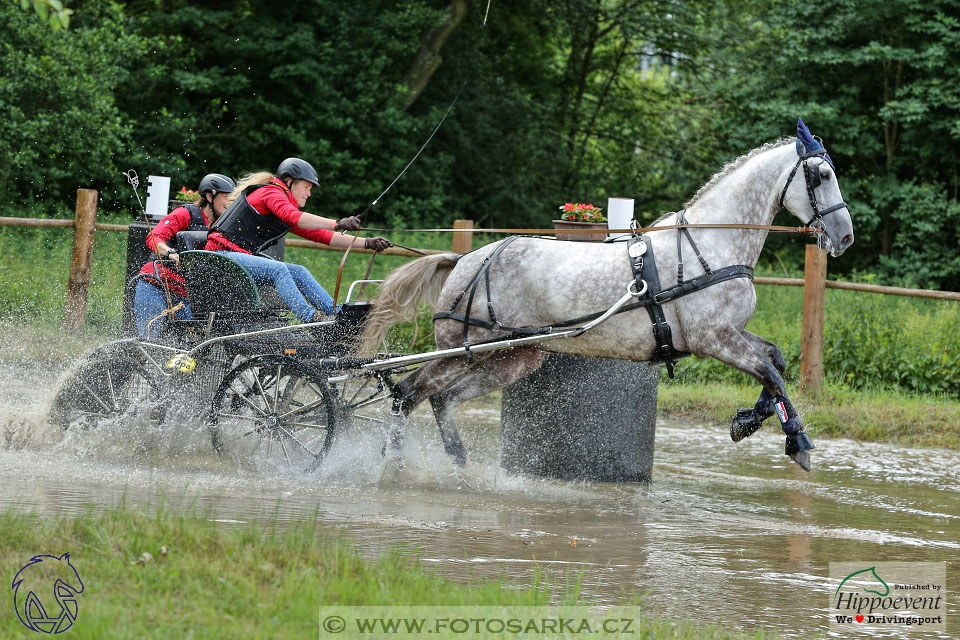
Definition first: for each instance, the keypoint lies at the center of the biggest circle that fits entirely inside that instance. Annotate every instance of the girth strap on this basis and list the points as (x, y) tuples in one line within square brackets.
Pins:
[(644, 268), (472, 286)]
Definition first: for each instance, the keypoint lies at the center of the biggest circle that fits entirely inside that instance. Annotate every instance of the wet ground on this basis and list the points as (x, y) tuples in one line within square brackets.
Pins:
[(725, 532)]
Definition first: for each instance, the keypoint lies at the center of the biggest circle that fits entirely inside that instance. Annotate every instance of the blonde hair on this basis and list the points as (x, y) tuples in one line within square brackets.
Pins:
[(258, 177)]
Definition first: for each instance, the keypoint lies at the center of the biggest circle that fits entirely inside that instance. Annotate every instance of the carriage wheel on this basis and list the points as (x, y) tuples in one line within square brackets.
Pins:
[(275, 409), (113, 381), (361, 400)]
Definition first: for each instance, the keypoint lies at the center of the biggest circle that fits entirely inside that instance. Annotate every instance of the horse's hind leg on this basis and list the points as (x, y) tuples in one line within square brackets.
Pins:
[(496, 372), (423, 383), (746, 422), (730, 346)]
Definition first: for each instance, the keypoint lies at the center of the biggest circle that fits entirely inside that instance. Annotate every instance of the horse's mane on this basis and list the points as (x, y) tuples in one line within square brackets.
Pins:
[(733, 165)]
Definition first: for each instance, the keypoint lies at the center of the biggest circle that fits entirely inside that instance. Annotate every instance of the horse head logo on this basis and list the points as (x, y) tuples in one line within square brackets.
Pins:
[(37, 577), (871, 574)]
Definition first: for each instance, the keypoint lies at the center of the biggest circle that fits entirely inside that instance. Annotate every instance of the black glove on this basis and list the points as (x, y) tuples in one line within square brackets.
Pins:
[(347, 224), (377, 244)]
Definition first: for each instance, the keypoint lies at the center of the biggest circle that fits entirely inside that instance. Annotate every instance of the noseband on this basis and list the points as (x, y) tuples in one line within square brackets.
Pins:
[(812, 177)]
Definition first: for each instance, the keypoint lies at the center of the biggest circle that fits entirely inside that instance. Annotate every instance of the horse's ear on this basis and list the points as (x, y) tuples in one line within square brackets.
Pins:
[(66, 557), (805, 140)]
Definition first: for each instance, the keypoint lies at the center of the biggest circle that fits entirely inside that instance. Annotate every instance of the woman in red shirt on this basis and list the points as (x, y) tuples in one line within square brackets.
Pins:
[(264, 208), (150, 299)]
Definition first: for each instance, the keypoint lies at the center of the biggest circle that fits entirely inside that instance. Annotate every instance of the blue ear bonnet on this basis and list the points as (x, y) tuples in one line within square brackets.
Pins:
[(806, 143)]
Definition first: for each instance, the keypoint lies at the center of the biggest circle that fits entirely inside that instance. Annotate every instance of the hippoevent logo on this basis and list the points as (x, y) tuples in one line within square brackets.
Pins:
[(888, 595), (45, 593)]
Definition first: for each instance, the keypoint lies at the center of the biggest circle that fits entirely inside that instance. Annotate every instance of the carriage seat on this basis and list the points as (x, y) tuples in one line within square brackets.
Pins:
[(217, 285)]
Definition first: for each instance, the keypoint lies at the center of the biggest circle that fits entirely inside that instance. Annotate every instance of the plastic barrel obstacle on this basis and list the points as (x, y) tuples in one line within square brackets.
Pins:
[(578, 418)]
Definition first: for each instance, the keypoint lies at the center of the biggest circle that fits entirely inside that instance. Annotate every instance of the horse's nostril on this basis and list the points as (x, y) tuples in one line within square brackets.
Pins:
[(847, 240)]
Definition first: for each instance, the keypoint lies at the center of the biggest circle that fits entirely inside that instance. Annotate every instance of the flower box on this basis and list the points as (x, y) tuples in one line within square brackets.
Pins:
[(566, 225)]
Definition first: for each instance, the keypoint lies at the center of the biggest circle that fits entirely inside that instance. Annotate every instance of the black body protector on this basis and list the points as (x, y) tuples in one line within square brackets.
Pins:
[(246, 227), (197, 224)]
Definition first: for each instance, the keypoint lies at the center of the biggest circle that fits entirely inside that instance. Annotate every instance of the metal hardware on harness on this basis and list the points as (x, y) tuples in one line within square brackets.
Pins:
[(636, 294), (615, 308)]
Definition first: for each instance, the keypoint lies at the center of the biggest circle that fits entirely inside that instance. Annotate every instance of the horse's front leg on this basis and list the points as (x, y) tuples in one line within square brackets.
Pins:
[(423, 383), (746, 422), (730, 346)]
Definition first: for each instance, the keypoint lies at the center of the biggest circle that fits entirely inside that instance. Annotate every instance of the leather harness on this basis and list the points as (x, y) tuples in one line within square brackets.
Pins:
[(644, 270)]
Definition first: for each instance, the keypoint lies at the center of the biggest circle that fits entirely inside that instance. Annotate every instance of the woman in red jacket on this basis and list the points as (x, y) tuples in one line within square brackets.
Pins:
[(264, 208), (150, 300)]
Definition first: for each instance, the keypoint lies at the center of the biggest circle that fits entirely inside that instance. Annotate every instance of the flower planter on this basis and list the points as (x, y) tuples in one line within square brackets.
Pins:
[(566, 225)]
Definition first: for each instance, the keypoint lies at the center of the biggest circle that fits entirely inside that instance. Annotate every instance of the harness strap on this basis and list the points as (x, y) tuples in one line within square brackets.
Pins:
[(474, 283), (677, 291), (645, 270), (681, 221)]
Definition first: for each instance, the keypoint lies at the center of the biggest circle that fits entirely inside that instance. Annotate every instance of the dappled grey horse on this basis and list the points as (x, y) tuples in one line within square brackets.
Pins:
[(537, 282)]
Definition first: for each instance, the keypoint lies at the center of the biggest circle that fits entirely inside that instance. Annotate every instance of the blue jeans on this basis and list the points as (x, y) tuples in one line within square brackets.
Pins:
[(150, 301), (298, 289)]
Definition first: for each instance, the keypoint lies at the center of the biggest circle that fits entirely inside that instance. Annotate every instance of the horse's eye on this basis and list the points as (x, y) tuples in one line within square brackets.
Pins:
[(824, 175)]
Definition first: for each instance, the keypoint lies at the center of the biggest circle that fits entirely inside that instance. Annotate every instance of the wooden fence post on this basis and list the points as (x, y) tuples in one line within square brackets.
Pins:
[(814, 297), (462, 240), (78, 285)]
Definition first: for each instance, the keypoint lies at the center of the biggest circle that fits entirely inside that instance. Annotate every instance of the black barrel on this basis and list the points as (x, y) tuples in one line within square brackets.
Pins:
[(580, 418)]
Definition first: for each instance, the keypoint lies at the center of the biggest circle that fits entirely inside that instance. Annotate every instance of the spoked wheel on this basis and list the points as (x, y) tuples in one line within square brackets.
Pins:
[(275, 409), (114, 381), (361, 400)]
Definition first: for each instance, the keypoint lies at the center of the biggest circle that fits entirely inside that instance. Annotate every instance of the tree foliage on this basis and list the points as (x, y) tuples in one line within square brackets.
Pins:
[(60, 126), (561, 100), (880, 85)]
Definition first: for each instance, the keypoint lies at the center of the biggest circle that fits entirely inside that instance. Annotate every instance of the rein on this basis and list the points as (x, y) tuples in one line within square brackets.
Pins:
[(806, 231)]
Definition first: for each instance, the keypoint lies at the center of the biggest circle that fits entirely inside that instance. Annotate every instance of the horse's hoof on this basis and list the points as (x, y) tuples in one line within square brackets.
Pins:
[(802, 458), (458, 455), (798, 442), (744, 424), (798, 447)]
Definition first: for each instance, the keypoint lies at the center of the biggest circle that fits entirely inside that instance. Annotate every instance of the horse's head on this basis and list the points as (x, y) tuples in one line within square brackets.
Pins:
[(811, 193)]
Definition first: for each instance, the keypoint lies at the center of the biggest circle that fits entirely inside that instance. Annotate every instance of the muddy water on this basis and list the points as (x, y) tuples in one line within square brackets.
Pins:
[(731, 533)]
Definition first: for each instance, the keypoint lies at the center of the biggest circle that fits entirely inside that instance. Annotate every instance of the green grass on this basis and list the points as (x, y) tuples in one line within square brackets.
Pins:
[(259, 580)]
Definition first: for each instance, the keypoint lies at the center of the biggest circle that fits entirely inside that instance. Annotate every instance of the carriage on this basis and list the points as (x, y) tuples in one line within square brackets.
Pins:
[(257, 381)]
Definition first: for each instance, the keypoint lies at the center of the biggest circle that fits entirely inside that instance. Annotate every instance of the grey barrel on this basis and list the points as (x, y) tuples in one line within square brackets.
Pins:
[(579, 418)]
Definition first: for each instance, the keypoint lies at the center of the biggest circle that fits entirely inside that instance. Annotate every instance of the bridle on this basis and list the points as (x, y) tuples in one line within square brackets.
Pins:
[(812, 177)]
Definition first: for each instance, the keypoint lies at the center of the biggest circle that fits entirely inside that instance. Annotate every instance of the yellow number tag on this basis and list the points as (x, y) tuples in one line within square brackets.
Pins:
[(182, 363)]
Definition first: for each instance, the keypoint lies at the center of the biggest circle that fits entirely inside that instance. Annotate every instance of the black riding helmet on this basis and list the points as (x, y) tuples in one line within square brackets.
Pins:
[(216, 183), (297, 169)]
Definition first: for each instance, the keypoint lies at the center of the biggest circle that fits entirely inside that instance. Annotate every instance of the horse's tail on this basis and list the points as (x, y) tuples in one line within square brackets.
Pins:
[(400, 294)]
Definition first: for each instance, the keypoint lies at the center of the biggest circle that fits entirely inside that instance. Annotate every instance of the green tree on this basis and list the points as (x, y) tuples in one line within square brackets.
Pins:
[(237, 87), (52, 11), (60, 128), (882, 86)]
